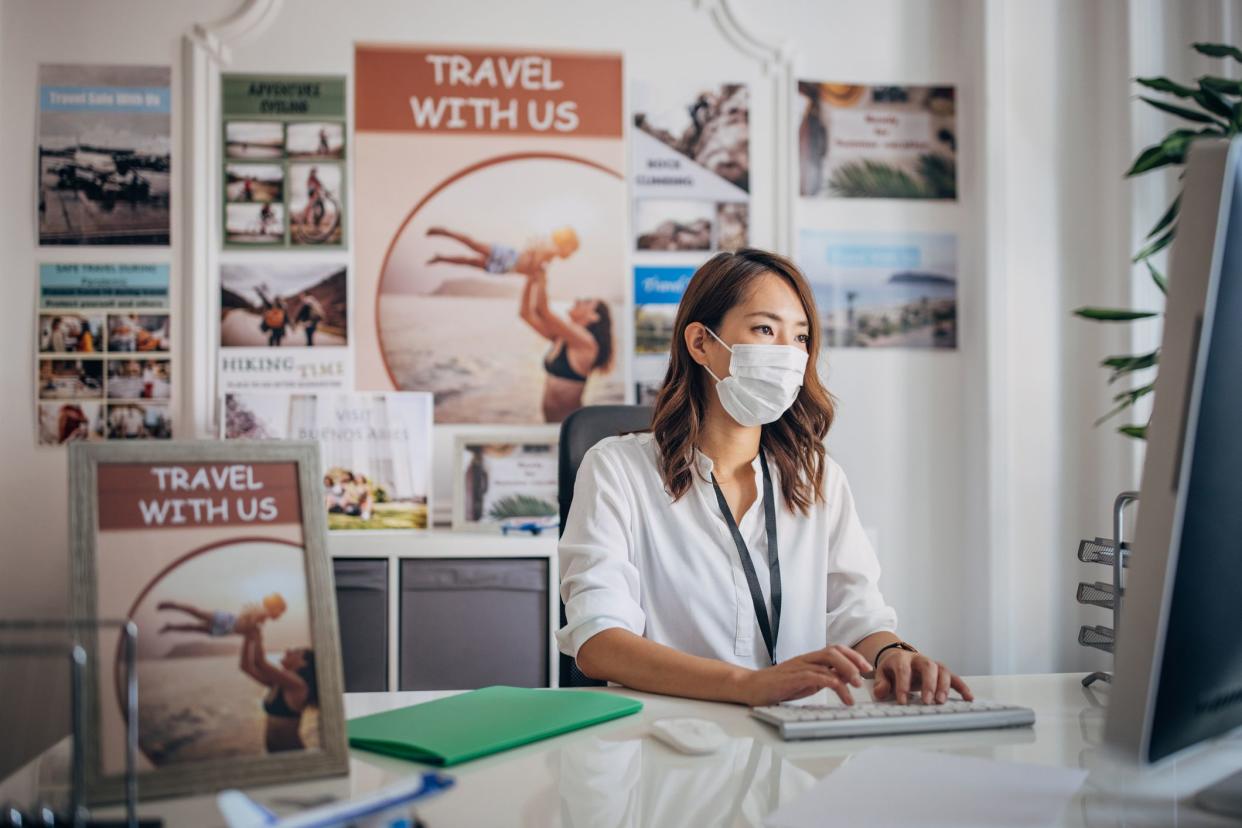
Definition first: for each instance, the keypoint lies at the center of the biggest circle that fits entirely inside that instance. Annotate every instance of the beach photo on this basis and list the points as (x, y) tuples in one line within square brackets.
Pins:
[(257, 183), (876, 141), (71, 379), (299, 305), (64, 422), (63, 333), (254, 224), (105, 155), (541, 271), (138, 332), (887, 289), (315, 139), (138, 421), (218, 626), (254, 140), (139, 379), (506, 485), (316, 204)]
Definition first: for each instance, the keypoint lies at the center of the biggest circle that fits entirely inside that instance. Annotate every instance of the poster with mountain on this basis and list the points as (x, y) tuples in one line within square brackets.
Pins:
[(284, 324)]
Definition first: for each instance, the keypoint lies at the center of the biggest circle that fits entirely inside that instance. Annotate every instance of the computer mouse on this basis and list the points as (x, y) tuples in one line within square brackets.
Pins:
[(693, 736)]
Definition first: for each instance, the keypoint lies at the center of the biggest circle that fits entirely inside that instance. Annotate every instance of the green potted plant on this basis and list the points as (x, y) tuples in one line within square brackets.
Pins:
[(1211, 109)]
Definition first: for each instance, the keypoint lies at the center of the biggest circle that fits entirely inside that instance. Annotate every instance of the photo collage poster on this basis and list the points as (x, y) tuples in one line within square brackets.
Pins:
[(104, 353), (496, 270), (199, 555), (105, 155), (285, 153), (690, 190), (883, 289), (284, 320), (375, 449)]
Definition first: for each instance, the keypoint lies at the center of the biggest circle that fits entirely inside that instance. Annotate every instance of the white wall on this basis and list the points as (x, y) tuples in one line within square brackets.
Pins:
[(978, 469)]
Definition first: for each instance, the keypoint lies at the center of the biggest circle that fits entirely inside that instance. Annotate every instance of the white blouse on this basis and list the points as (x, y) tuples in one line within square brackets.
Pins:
[(631, 557)]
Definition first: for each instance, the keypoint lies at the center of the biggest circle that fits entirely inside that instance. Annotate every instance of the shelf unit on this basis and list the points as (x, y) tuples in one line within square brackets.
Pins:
[(439, 544)]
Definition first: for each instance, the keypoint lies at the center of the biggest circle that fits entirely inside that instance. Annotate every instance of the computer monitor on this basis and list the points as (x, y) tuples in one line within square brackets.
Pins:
[(1178, 677)]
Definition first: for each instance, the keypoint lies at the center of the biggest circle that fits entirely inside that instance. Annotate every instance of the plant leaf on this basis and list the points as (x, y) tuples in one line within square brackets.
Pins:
[(1138, 432), (1181, 111), (1149, 159), (1163, 84), (1219, 50), (1223, 86), (1168, 216), (1156, 246), (1214, 103), (1113, 315), (1133, 395), (1157, 277), (1123, 365)]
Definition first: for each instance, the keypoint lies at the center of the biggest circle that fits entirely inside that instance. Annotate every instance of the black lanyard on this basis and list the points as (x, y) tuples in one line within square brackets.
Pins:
[(770, 632)]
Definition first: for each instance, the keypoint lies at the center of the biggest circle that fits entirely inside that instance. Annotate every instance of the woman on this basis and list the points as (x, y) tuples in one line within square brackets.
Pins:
[(581, 345), (671, 558), (292, 687)]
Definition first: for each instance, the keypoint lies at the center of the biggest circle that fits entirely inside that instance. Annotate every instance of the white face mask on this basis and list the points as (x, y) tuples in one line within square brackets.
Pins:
[(763, 381)]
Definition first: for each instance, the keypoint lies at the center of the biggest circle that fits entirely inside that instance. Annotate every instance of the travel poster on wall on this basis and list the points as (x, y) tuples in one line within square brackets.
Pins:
[(284, 324), (691, 166), (103, 365), (375, 449), (876, 141), (657, 293), (496, 271), (105, 154), (877, 290), (284, 158)]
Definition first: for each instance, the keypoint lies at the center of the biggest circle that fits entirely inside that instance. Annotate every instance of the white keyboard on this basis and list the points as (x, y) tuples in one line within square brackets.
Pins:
[(808, 721)]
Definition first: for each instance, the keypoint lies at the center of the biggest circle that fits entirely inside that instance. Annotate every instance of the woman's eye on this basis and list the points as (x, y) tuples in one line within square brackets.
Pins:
[(766, 330), (805, 339)]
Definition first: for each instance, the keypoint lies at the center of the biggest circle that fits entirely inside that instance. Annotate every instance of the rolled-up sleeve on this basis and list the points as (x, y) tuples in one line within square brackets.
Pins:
[(856, 609), (599, 582)]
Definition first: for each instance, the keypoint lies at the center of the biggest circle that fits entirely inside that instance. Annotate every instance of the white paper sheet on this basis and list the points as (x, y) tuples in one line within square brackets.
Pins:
[(898, 787)]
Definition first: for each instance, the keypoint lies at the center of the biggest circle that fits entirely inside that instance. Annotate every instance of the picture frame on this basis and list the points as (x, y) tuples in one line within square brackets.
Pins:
[(532, 483), (158, 527)]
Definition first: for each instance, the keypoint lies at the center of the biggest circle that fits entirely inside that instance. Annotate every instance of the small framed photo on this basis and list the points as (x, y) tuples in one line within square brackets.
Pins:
[(505, 482), (216, 551)]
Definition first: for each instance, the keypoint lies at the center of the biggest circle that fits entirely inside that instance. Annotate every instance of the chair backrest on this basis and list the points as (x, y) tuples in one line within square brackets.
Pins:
[(579, 432)]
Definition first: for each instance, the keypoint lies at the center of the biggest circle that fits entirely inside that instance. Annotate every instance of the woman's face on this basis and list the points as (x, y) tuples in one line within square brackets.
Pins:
[(294, 659), (772, 314), (583, 312)]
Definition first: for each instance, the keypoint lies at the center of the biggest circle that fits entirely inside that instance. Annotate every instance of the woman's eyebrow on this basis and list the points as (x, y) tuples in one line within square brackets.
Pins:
[(776, 317)]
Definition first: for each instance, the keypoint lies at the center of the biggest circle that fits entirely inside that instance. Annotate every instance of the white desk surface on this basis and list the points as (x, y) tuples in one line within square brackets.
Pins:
[(614, 775)]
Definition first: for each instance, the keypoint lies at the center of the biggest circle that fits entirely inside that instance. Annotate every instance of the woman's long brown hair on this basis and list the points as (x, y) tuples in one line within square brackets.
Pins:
[(795, 442)]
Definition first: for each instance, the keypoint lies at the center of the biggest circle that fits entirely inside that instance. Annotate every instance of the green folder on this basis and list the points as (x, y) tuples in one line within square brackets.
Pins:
[(459, 728)]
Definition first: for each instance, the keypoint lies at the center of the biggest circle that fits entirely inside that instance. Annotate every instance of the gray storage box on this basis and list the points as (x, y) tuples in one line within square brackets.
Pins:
[(469, 623), (362, 607)]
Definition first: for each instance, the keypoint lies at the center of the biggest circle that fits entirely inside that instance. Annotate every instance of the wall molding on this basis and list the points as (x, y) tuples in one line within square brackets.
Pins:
[(207, 48), (776, 58)]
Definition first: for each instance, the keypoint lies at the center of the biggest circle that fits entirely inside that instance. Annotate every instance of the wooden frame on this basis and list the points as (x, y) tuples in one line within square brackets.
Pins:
[(209, 775), (461, 441)]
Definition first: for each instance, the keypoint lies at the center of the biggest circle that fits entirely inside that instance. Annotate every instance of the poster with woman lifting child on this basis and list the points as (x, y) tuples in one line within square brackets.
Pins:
[(496, 267), (212, 552)]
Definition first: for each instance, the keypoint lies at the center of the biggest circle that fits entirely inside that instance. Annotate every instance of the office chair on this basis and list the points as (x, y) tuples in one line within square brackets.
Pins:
[(581, 430)]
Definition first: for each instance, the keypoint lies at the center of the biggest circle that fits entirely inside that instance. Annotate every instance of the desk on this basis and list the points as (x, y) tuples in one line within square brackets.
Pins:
[(610, 775)]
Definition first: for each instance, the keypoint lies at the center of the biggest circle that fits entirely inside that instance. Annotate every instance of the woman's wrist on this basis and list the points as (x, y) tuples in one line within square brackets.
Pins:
[(737, 684)]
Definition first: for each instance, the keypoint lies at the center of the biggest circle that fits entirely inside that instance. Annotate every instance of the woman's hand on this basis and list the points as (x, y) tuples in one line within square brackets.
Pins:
[(835, 668), (900, 672)]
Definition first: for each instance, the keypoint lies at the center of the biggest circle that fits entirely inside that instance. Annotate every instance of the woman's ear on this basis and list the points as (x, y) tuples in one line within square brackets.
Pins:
[(696, 342)]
